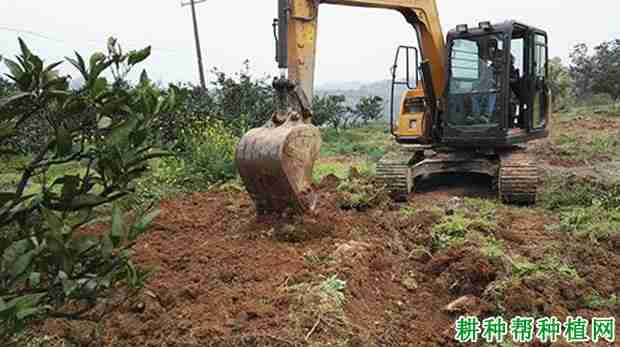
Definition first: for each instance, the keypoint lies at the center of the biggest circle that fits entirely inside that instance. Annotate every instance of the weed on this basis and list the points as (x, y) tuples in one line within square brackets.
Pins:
[(492, 248), (595, 221), (367, 141), (208, 154), (596, 301), (333, 288), (316, 304), (341, 170), (452, 229), (408, 211), (316, 259), (551, 266), (567, 191), (358, 192)]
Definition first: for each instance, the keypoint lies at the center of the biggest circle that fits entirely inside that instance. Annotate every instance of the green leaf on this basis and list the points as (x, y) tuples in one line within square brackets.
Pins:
[(144, 77), (95, 59), (52, 221), (86, 200), (136, 57), (21, 264), (107, 247), (83, 243), (121, 133), (145, 222), (23, 302), (34, 279), (51, 67), (116, 233), (153, 154), (139, 137), (64, 142), (14, 68), (29, 312), (68, 286), (15, 250), (14, 98), (99, 86), (70, 187), (79, 65), (24, 48)]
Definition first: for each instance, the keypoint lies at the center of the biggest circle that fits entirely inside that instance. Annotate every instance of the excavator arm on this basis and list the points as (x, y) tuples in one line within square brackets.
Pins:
[(302, 36), (276, 160)]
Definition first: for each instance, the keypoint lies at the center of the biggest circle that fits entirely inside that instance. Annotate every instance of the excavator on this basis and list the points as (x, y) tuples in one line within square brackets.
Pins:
[(471, 103)]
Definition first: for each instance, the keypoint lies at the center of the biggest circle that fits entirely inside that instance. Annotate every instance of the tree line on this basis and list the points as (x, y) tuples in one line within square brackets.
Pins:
[(591, 76)]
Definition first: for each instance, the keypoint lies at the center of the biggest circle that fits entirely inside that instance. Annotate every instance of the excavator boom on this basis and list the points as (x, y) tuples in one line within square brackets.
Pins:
[(276, 160)]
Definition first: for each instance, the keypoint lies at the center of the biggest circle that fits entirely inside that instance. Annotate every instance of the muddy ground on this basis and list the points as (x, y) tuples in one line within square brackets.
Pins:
[(223, 277)]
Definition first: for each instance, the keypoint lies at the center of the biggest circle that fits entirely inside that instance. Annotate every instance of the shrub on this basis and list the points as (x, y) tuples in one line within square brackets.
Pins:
[(208, 154), (51, 265)]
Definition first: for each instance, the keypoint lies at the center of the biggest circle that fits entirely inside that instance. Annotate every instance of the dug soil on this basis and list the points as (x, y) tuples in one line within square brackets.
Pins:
[(221, 276)]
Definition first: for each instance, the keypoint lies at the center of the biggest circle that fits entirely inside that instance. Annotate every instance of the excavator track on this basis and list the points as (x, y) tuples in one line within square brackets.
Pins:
[(394, 172), (519, 178)]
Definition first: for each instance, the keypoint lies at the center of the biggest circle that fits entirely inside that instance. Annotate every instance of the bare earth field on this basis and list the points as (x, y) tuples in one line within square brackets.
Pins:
[(388, 275)]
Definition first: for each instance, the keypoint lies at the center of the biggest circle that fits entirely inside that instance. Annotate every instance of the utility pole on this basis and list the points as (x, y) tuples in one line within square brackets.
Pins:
[(201, 71)]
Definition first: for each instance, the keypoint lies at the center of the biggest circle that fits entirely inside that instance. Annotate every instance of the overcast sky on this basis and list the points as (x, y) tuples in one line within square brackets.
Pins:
[(354, 44)]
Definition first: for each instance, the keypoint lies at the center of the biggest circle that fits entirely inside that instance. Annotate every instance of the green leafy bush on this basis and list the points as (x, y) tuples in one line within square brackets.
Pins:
[(208, 154), (52, 263)]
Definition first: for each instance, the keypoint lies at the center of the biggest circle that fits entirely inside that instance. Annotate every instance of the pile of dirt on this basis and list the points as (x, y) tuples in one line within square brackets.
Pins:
[(223, 277)]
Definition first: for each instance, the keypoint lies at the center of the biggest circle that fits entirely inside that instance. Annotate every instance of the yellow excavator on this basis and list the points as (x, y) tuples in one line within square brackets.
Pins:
[(471, 102)]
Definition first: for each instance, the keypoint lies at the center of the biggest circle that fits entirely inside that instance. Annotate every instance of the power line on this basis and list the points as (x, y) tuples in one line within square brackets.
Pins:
[(91, 43)]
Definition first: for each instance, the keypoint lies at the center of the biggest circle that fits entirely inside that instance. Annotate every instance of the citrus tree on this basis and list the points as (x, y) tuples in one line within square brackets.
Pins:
[(52, 264)]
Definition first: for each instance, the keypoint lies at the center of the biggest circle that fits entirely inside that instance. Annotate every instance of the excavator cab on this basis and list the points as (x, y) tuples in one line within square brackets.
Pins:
[(496, 93), (494, 99)]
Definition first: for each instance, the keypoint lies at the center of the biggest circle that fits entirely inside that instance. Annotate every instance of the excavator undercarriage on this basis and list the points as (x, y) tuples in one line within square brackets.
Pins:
[(516, 174)]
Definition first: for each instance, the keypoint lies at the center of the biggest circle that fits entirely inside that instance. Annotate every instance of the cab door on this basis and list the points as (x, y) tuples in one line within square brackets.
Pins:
[(538, 82)]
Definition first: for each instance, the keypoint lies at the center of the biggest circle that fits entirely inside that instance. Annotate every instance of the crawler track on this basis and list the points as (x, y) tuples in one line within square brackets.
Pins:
[(394, 172), (519, 178)]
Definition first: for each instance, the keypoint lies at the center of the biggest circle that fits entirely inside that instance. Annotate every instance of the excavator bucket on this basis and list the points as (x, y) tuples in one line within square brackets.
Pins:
[(276, 163)]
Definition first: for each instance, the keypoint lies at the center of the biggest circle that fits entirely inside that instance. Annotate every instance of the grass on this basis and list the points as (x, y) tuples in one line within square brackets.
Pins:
[(358, 192), (596, 301), (586, 207), (370, 141), (475, 219), (573, 139), (591, 111), (550, 266), (492, 248), (341, 169), (11, 173)]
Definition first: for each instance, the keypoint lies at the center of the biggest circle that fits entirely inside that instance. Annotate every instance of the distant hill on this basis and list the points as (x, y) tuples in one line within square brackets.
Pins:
[(354, 91)]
